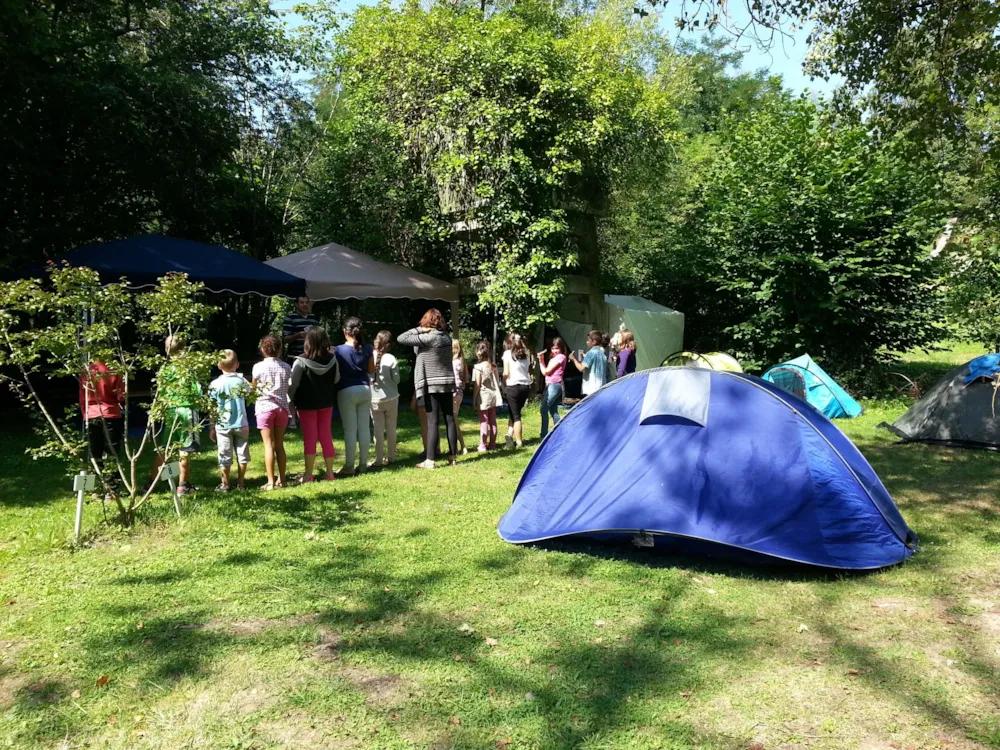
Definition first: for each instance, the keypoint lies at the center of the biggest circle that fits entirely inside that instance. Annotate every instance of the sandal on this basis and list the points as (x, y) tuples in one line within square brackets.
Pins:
[(267, 487), (304, 480), (331, 477), (425, 465), (220, 488)]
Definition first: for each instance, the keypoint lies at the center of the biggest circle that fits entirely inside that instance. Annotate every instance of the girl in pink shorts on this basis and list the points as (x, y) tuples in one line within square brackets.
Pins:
[(271, 378)]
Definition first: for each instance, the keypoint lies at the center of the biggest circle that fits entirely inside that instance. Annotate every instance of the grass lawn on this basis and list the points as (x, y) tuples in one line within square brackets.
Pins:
[(384, 612)]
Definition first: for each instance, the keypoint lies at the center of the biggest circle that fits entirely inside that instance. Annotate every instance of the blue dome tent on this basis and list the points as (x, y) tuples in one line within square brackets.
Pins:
[(686, 456), (810, 382)]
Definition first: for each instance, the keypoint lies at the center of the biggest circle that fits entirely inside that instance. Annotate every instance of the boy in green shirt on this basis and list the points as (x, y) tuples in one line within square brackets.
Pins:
[(181, 395)]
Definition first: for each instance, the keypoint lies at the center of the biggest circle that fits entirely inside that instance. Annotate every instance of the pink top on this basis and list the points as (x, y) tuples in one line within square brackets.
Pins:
[(458, 367), (556, 376), (273, 378)]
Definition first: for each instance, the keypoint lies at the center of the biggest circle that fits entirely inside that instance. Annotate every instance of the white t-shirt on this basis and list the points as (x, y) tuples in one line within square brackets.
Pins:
[(519, 369)]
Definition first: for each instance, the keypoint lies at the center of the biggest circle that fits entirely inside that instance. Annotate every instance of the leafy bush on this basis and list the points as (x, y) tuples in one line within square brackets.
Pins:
[(812, 235)]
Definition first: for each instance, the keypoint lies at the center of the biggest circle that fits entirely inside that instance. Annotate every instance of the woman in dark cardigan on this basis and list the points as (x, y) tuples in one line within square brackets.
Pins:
[(434, 380)]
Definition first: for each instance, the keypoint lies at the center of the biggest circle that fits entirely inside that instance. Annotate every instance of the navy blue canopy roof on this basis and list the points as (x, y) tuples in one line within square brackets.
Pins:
[(143, 260)]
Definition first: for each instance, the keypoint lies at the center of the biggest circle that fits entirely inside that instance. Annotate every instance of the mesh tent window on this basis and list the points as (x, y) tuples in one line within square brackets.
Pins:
[(789, 379)]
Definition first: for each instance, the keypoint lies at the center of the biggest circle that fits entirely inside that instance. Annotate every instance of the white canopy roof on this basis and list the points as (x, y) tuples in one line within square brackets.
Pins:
[(336, 272)]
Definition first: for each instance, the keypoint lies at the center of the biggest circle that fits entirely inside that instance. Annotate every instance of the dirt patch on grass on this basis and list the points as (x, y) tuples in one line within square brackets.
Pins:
[(328, 648), (250, 701), (10, 685), (297, 729), (381, 690)]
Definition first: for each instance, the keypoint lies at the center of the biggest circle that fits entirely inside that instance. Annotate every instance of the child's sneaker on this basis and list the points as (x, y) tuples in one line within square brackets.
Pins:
[(186, 489), (509, 442)]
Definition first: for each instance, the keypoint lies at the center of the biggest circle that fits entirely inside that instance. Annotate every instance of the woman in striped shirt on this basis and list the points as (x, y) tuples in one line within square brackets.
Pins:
[(434, 380)]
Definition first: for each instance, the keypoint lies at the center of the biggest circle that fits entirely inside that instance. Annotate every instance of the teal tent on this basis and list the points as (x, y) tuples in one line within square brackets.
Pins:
[(807, 380)]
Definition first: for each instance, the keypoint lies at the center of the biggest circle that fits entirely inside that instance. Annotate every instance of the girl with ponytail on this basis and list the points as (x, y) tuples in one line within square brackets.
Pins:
[(385, 400)]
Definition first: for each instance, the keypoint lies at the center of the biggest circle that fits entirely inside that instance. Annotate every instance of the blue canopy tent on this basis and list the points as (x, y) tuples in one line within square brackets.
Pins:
[(143, 260), (810, 382), (695, 458)]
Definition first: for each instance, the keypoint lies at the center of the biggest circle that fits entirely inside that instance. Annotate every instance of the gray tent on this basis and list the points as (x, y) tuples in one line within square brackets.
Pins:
[(954, 413)]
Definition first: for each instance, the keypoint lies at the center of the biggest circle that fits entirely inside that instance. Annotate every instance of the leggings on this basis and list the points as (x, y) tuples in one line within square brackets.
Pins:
[(316, 424), (438, 405), (487, 428), (355, 404), (384, 414), (100, 446)]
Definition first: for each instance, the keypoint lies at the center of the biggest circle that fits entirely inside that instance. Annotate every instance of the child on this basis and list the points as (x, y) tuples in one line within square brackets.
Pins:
[(553, 370), (313, 390), (181, 395), (626, 352), (461, 371), (517, 378), (102, 393), (486, 395), (271, 380), (594, 366), (354, 395), (231, 429), (385, 400)]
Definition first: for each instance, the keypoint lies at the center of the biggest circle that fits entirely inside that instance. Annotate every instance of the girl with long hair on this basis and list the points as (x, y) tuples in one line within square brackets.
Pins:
[(486, 395), (313, 391), (554, 369), (271, 380), (626, 352), (461, 371), (517, 378), (385, 400), (354, 395)]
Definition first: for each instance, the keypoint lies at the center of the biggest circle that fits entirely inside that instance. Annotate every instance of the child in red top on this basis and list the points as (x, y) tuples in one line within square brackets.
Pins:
[(102, 394)]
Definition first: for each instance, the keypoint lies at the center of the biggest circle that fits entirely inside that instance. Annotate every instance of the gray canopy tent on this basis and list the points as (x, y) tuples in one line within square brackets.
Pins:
[(333, 271)]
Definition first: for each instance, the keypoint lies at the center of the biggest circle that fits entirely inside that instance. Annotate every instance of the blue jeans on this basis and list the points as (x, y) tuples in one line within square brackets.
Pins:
[(552, 396)]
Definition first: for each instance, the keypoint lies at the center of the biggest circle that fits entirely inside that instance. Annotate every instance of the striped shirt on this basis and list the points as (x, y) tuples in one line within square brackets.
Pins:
[(432, 372), (292, 324), (273, 378)]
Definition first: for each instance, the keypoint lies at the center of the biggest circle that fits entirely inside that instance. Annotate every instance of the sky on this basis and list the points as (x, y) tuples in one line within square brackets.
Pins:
[(784, 57)]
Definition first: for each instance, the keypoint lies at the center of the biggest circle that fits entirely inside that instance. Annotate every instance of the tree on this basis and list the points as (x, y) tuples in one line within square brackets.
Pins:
[(495, 139), (57, 329), (123, 116), (812, 235)]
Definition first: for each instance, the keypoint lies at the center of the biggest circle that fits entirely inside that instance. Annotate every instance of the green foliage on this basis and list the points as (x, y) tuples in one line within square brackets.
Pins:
[(475, 143), (975, 288), (58, 329), (122, 116), (810, 235)]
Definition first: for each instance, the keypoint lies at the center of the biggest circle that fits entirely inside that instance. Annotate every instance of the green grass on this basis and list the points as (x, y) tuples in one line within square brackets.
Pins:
[(384, 612)]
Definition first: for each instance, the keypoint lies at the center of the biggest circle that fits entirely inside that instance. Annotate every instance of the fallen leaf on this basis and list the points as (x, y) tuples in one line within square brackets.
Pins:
[(394, 717), (9, 603), (457, 657), (466, 628), (75, 694), (803, 628), (628, 664), (492, 691), (677, 641), (102, 680), (502, 744), (755, 746), (685, 695), (491, 642), (529, 697), (599, 623), (455, 721), (420, 645), (710, 591), (112, 720), (853, 672), (388, 588), (138, 626), (147, 642)]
